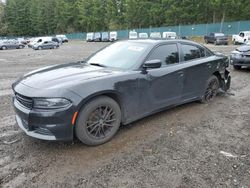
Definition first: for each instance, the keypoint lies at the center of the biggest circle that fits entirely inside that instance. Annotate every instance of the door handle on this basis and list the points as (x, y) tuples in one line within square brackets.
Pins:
[(181, 73)]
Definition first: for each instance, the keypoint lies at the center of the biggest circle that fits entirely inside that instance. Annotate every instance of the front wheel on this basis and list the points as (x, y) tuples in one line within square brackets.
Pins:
[(211, 89), (39, 48), (98, 121)]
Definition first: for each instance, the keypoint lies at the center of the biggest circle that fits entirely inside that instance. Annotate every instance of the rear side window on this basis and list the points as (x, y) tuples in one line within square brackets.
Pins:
[(190, 52), (167, 53)]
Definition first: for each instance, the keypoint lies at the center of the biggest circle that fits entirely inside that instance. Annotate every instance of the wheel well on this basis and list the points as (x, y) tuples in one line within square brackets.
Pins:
[(217, 74)]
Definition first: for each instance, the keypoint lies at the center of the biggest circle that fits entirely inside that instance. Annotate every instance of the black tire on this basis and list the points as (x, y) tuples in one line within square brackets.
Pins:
[(39, 48), (20, 47), (237, 67), (4, 48), (98, 121), (211, 90), (206, 41)]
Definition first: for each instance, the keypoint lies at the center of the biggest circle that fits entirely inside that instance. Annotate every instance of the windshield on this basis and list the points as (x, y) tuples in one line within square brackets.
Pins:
[(123, 55)]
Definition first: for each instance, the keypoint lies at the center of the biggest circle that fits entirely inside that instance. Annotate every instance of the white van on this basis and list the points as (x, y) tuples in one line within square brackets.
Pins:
[(143, 35), (113, 36), (38, 40), (169, 35), (133, 35), (63, 38), (156, 35), (90, 37)]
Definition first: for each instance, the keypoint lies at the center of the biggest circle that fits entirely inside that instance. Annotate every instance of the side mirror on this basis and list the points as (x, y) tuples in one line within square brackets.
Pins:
[(152, 64)]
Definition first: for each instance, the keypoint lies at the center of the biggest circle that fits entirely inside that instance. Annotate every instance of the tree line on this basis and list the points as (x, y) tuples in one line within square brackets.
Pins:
[(45, 17)]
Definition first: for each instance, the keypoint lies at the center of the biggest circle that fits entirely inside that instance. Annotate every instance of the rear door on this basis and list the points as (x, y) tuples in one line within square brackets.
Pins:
[(162, 87), (198, 65)]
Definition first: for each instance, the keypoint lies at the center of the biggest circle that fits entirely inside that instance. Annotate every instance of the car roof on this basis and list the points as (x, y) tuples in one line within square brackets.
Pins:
[(160, 41)]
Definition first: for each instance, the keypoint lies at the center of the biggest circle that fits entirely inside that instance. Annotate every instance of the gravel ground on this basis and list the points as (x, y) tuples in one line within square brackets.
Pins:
[(193, 145)]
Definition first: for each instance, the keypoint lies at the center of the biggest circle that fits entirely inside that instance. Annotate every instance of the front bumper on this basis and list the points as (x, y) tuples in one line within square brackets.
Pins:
[(241, 61), (45, 124)]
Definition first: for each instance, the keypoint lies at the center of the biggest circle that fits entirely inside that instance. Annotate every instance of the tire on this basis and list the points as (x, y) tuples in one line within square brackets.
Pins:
[(235, 42), (4, 48), (206, 41), (211, 90), (215, 43), (92, 127), (237, 67), (20, 47), (39, 48)]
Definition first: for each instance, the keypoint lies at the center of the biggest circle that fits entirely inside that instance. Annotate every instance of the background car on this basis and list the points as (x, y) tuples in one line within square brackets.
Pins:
[(63, 38), (90, 37), (105, 36), (241, 38), (143, 35), (155, 35), (46, 45), (113, 36), (97, 37), (216, 38), (169, 35), (241, 56), (11, 44), (121, 83), (132, 35), (58, 40)]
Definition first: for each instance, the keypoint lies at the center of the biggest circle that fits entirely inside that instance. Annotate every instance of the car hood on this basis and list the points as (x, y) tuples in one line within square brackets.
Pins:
[(244, 48), (60, 76)]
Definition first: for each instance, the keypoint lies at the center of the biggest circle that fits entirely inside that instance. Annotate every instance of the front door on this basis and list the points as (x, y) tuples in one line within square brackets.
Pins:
[(162, 87)]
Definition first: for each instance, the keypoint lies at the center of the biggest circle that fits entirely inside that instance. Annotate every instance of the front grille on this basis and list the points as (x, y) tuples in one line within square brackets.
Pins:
[(24, 101)]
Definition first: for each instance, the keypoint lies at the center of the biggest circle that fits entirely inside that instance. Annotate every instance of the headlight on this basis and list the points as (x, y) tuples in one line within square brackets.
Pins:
[(236, 54), (50, 103)]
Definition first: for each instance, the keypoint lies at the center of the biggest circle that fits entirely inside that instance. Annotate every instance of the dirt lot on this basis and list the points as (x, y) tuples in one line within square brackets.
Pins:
[(193, 145)]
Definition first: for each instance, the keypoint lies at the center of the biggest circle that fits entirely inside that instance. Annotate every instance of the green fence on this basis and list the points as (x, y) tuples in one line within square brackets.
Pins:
[(228, 28)]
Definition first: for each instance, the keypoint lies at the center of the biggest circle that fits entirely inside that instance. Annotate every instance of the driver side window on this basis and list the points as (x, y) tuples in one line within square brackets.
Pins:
[(168, 54)]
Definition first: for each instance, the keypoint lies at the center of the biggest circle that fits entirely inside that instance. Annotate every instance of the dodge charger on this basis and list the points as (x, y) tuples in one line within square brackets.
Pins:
[(117, 85)]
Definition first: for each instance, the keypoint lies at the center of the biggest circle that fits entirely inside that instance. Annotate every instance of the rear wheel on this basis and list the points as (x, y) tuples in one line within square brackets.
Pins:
[(211, 89), (237, 67), (4, 47), (98, 121)]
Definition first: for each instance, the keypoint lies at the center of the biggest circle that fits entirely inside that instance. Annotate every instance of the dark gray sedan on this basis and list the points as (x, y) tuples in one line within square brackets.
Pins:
[(46, 45), (11, 44), (119, 84), (241, 56)]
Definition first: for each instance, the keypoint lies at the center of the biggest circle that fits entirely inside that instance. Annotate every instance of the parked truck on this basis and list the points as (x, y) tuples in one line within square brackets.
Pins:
[(241, 38), (216, 38)]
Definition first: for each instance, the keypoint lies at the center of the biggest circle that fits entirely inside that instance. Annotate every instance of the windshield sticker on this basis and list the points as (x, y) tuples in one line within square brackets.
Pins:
[(135, 48)]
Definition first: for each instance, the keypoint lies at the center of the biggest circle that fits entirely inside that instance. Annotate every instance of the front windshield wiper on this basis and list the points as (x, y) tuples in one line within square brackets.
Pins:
[(98, 64)]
